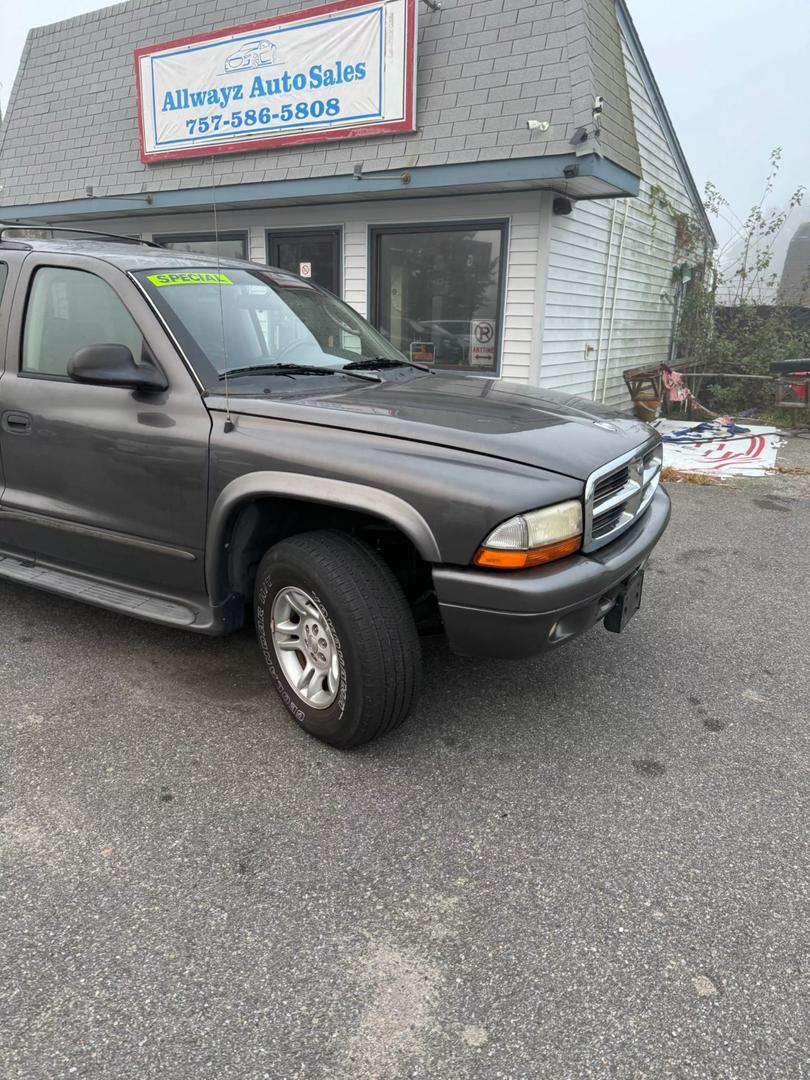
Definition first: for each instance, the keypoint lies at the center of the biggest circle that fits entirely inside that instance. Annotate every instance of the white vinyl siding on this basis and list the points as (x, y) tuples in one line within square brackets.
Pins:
[(582, 279), (355, 259), (578, 289), (521, 306)]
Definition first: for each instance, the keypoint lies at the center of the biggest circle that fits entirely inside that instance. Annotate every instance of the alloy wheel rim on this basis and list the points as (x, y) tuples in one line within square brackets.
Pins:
[(305, 647)]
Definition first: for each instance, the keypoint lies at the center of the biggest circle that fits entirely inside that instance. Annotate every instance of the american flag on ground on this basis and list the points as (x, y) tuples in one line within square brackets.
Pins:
[(749, 454)]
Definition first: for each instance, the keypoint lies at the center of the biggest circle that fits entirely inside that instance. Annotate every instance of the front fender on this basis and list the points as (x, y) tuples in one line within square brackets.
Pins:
[(342, 493)]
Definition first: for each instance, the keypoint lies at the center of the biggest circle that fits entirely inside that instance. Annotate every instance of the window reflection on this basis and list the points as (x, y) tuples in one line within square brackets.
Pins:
[(224, 246), (439, 294)]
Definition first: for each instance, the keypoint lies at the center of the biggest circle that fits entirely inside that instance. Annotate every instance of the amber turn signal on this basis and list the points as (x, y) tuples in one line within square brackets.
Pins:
[(518, 560)]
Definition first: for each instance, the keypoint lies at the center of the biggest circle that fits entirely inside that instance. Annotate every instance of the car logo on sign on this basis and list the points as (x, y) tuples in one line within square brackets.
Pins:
[(253, 54)]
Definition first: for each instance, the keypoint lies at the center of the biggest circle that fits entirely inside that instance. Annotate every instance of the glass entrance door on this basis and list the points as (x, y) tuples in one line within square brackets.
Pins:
[(313, 254)]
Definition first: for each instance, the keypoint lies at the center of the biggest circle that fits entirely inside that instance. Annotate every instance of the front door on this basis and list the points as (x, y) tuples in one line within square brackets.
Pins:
[(310, 253), (99, 478)]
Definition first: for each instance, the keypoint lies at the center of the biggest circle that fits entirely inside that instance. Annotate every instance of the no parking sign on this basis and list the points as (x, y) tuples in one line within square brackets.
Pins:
[(482, 343)]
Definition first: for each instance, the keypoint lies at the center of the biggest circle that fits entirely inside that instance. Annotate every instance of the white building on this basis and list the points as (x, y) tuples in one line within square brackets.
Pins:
[(511, 210)]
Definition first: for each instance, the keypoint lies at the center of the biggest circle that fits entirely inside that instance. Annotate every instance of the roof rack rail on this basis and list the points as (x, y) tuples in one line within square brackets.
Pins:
[(89, 234)]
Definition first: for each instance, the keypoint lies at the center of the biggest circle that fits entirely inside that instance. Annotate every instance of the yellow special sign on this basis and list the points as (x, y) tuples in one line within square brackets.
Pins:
[(197, 277)]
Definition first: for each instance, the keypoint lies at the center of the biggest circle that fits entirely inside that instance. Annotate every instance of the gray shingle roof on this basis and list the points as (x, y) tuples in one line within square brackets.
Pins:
[(484, 68)]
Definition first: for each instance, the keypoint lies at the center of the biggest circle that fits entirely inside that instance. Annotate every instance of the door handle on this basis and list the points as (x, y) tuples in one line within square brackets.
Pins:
[(16, 423)]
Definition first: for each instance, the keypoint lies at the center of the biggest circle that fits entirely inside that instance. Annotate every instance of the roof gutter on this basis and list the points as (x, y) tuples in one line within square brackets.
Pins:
[(560, 171)]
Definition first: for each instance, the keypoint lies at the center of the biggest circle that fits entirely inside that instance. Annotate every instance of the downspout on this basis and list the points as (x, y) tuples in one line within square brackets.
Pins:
[(673, 330), (613, 301), (604, 302)]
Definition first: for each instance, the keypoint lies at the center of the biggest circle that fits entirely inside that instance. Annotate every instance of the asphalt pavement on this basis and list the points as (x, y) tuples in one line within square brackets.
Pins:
[(593, 864)]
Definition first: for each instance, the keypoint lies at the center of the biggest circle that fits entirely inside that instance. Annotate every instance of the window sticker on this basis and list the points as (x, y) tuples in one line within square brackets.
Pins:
[(199, 277), (423, 352)]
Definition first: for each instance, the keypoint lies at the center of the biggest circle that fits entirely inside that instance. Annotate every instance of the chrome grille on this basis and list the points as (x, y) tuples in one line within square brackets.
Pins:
[(618, 493), (607, 523), (609, 485)]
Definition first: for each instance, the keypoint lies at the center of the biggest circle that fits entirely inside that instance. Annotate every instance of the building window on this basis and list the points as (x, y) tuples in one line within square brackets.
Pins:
[(437, 292), (225, 245)]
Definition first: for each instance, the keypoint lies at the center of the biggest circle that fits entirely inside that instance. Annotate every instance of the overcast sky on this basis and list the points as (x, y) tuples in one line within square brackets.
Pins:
[(732, 73)]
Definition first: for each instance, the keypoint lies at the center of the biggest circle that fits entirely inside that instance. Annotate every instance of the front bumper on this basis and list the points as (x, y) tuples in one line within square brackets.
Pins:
[(503, 614)]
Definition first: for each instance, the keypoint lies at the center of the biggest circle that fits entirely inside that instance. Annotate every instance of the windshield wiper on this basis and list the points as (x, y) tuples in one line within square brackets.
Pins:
[(290, 369), (370, 362)]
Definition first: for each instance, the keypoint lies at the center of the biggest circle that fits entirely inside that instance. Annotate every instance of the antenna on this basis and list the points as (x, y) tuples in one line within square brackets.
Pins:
[(229, 425)]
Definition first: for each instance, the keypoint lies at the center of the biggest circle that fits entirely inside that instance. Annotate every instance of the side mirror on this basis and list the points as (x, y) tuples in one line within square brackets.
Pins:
[(114, 365)]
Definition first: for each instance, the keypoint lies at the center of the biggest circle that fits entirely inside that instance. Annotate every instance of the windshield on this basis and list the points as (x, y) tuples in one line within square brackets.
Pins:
[(239, 320)]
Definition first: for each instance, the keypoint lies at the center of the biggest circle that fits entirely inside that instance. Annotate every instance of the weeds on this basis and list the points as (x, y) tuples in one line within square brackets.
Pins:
[(675, 476)]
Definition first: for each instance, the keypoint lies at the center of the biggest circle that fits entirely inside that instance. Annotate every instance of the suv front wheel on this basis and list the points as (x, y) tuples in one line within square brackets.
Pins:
[(338, 637)]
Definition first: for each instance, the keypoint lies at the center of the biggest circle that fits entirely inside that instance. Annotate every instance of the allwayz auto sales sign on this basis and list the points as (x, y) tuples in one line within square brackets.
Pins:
[(333, 72)]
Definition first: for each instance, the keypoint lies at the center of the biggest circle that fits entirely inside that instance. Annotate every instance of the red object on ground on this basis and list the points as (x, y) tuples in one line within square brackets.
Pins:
[(800, 389)]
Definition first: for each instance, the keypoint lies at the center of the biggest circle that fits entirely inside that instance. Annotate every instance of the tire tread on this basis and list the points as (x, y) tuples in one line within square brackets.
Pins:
[(383, 626)]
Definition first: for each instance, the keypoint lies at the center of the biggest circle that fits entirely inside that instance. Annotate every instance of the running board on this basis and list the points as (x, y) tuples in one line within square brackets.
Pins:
[(112, 597)]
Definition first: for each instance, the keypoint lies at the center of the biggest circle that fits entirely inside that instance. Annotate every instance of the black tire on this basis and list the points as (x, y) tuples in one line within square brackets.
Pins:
[(371, 624)]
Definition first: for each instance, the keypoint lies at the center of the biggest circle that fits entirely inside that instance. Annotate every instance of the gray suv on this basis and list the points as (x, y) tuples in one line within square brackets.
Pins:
[(197, 443)]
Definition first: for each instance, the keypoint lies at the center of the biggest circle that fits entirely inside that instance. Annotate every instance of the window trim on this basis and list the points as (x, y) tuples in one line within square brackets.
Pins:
[(41, 376), (453, 225), (206, 236), (334, 230)]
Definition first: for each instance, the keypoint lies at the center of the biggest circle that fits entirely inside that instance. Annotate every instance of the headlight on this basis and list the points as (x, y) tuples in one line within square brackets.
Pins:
[(539, 536)]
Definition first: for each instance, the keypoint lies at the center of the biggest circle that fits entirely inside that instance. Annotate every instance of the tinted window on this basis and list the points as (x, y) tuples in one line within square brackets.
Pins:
[(69, 310), (439, 293)]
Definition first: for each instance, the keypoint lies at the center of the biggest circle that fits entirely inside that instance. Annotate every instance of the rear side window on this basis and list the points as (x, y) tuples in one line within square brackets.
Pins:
[(67, 311)]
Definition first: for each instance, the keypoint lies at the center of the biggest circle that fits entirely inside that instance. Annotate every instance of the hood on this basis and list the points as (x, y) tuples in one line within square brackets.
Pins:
[(567, 435)]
